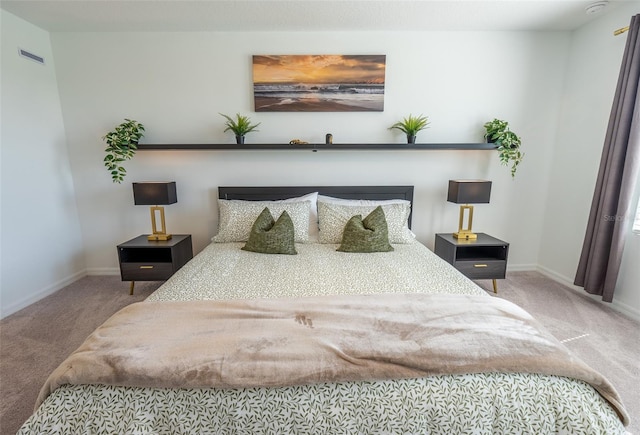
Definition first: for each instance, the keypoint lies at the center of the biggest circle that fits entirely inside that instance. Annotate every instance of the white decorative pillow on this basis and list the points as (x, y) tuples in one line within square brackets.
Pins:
[(313, 215), (375, 202), (236, 217), (333, 216)]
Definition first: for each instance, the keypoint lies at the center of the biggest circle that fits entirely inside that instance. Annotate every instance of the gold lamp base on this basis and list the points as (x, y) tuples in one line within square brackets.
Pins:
[(157, 234), (158, 237), (465, 233)]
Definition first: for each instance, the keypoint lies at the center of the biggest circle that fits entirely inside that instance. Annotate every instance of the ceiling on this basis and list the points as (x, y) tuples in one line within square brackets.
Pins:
[(304, 15)]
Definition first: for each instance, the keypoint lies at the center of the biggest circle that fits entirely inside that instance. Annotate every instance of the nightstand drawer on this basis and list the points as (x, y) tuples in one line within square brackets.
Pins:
[(146, 271), (482, 269)]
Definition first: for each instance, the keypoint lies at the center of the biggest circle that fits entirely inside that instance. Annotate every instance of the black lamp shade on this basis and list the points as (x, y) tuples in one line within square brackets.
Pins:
[(155, 193), (469, 191)]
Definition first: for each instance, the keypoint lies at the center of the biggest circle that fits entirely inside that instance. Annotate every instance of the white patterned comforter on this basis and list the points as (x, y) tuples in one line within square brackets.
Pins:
[(224, 271), (491, 403)]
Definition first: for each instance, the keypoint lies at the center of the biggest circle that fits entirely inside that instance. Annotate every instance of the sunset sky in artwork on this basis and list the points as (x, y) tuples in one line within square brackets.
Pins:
[(319, 69)]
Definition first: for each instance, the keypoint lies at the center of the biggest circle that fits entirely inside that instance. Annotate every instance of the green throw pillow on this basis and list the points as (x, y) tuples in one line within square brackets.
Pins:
[(269, 237), (368, 235)]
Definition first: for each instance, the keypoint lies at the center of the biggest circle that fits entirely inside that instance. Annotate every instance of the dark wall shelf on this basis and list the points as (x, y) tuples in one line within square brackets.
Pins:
[(319, 147)]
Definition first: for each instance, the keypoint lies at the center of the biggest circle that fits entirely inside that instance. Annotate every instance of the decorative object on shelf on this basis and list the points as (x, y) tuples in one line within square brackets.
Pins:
[(122, 144), (239, 126), (411, 126), (319, 83), (156, 193), (497, 131), (297, 142), (328, 139), (467, 192)]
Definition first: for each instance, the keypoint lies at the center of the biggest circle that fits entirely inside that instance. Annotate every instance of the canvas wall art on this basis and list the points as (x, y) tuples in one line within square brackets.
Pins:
[(319, 83)]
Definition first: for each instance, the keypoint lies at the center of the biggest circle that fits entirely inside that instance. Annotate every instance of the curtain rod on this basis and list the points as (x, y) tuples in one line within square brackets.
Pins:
[(620, 31)]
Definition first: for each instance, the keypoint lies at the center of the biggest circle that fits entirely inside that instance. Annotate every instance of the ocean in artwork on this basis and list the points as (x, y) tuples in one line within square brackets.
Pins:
[(360, 86), (330, 96)]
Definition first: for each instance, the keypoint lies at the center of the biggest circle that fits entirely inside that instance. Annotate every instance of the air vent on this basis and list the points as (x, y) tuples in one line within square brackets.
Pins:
[(31, 56)]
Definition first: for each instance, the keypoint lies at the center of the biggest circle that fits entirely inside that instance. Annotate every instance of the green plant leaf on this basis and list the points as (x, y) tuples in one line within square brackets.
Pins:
[(507, 142), (122, 144), (240, 126), (412, 124)]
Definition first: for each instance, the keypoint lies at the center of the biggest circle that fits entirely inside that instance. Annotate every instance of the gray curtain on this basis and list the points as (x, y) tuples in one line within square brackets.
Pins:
[(611, 215)]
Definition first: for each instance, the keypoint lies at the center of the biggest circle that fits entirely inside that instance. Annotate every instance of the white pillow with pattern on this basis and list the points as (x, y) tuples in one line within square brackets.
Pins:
[(333, 216), (236, 217)]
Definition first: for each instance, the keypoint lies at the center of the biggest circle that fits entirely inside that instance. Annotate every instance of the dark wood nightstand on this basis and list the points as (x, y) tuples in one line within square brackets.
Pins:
[(483, 258), (145, 260)]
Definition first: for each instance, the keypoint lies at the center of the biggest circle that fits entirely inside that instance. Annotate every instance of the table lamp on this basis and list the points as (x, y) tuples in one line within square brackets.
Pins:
[(156, 193), (468, 192)]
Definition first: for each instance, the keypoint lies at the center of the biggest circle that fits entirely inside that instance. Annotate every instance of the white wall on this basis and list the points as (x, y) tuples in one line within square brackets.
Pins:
[(41, 242), (554, 88), (176, 83), (627, 294), (594, 63)]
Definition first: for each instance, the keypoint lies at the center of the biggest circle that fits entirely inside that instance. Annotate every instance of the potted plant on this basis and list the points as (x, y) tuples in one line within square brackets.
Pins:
[(508, 143), (122, 144), (411, 126), (239, 126)]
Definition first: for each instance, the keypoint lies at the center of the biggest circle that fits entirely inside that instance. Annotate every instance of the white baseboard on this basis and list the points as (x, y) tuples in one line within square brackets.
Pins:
[(568, 282), (98, 271), (43, 293), (521, 267)]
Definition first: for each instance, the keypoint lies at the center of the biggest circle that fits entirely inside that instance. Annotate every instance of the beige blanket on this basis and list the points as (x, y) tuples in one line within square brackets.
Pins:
[(284, 342)]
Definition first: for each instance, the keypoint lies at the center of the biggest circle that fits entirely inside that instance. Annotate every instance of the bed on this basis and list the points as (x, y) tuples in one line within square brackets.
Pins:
[(323, 341)]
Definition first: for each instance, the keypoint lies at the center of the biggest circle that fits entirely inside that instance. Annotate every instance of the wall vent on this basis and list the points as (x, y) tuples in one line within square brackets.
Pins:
[(31, 56)]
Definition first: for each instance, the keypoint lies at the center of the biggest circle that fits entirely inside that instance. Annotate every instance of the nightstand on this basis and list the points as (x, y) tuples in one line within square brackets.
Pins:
[(483, 258), (145, 260)]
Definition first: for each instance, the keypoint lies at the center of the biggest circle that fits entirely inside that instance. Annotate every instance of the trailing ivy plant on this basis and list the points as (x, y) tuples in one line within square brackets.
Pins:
[(508, 143), (122, 144)]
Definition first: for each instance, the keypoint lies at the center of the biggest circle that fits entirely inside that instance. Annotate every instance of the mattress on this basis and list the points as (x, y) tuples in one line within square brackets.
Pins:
[(496, 403)]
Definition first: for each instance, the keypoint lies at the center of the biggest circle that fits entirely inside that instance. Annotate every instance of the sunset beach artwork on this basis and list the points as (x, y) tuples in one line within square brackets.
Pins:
[(319, 83)]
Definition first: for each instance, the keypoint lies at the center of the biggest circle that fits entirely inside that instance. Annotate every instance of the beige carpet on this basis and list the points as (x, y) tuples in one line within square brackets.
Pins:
[(35, 340)]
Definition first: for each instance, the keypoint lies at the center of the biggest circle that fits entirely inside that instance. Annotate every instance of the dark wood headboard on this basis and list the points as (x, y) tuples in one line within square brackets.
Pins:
[(346, 192)]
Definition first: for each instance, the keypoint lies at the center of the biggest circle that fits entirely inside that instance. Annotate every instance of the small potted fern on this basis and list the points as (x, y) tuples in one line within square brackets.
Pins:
[(240, 126), (122, 144), (411, 126)]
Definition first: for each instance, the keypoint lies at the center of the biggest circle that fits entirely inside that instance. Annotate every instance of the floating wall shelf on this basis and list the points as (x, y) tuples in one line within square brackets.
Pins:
[(320, 147)]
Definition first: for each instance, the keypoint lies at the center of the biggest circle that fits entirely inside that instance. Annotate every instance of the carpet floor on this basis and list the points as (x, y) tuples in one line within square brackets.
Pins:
[(35, 340)]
